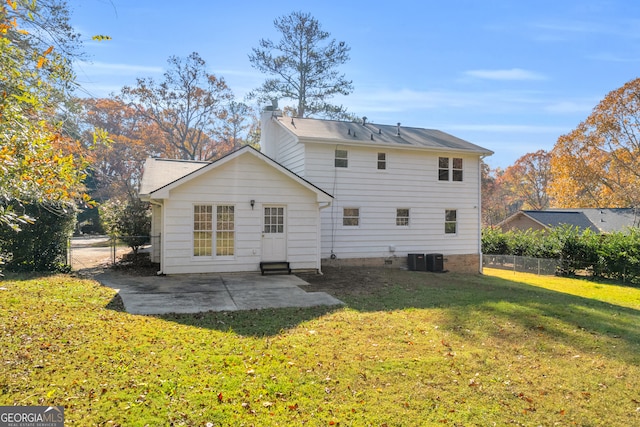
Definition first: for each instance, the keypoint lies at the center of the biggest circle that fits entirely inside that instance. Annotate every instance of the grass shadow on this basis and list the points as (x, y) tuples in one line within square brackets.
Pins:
[(460, 299), (256, 323), (466, 298)]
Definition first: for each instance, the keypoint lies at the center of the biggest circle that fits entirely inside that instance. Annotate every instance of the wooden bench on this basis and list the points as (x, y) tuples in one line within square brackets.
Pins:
[(278, 267)]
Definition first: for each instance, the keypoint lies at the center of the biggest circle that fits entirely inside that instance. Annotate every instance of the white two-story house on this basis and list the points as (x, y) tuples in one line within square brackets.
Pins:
[(397, 190), (320, 191)]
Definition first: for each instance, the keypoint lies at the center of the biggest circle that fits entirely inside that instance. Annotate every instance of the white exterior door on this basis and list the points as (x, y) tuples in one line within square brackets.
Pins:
[(274, 234)]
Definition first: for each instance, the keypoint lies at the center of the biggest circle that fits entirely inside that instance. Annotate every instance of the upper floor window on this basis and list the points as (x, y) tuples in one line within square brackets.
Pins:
[(449, 169), (341, 159), (351, 216), (382, 161), (402, 217), (456, 170)]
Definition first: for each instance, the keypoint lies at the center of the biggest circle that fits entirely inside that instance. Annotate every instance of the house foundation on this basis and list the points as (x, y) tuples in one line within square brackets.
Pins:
[(466, 264)]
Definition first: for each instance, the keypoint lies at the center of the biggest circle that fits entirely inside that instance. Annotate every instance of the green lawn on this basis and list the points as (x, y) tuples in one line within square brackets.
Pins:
[(424, 349)]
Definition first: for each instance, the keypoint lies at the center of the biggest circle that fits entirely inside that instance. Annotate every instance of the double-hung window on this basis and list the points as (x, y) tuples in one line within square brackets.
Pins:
[(450, 169), (450, 221), (341, 158), (402, 217), (225, 230), (351, 217), (382, 161), (204, 231)]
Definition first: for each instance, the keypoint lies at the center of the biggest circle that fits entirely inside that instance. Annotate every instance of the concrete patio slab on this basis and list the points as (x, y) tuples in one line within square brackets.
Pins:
[(195, 293)]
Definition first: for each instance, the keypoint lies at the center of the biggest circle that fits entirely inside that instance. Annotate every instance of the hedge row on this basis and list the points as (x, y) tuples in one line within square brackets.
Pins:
[(615, 255), (40, 245)]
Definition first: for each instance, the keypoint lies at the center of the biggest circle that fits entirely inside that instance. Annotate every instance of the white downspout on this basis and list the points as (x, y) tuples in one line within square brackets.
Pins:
[(480, 269), (319, 234)]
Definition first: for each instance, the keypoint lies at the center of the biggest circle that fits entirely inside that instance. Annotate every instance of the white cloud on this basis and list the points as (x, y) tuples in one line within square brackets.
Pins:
[(571, 107), (611, 57), (511, 74)]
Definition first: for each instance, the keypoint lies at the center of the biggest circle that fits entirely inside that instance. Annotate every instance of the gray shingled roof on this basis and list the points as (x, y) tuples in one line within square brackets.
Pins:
[(603, 220), (375, 134), (160, 172)]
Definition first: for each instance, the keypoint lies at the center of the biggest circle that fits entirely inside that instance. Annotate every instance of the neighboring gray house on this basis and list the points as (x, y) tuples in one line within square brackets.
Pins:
[(321, 191), (603, 220)]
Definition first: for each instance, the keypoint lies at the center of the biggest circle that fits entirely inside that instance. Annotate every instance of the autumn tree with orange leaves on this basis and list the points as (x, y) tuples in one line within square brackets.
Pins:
[(598, 163), (126, 139), (527, 180), (39, 163), (188, 107)]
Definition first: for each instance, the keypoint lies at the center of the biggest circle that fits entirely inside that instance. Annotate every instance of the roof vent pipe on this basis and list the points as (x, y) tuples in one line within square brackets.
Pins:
[(372, 137), (349, 131), (398, 129), (379, 131)]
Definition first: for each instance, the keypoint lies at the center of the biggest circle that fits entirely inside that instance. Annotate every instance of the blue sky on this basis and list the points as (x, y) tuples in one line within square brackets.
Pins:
[(509, 75)]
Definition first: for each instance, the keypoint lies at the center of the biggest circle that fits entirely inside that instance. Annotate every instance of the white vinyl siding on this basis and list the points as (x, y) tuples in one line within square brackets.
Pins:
[(380, 195), (234, 184)]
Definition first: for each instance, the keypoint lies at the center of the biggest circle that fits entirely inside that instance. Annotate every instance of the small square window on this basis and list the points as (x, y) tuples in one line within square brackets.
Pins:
[(450, 221), (402, 217), (341, 159), (351, 217), (382, 161)]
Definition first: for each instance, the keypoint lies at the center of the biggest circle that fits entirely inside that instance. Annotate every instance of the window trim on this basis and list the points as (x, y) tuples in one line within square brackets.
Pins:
[(341, 161), (215, 232), (402, 218), (455, 170), (450, 171), (448, 222), (351, 217), (196, 228), (381, 162), (443, 169), (231, 231)]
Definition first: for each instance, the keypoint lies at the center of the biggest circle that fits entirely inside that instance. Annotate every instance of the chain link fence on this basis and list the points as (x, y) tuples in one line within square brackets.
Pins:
[(540, 266), (93, 251), (561, 267)]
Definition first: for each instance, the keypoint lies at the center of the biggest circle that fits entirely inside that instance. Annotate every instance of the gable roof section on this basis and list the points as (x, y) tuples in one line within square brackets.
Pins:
[(558, 218), (160, 172), (162, 190), (369, 134), (599, 220)]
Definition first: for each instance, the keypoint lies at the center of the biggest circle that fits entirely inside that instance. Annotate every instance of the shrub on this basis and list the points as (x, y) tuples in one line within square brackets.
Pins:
[(128, 220), (40, 245), (615, 255)]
